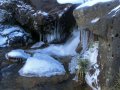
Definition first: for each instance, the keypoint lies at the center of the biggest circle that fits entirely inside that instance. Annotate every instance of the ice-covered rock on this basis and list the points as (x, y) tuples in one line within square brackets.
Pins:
[(18, 53), (42, 65), (13, 35), (4, 15)]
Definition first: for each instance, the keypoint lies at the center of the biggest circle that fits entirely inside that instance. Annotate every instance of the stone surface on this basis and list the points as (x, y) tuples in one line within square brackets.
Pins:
[(107, 30), (84, 17), (39, 20)]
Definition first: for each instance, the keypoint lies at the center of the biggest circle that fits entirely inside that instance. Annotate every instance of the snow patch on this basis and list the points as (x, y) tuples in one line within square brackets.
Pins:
[(70, 1), (91, 55), (73, 64), (95, 20), (91, 3), (93, 78), (11, 34), (10, 30), (41, 65), (115, 10), (18, 53)]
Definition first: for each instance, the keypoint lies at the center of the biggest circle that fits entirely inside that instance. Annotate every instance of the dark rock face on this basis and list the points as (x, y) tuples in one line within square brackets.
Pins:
[(107, 29), (42, 17)]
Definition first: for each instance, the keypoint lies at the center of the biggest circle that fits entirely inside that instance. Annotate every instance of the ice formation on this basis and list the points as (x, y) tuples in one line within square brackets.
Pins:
[(62, 50), (11, 34), (41, 65)]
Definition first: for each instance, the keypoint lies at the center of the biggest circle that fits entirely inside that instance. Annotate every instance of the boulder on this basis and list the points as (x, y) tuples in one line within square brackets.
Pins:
[(86, 17), (103, 20), (13, 36)]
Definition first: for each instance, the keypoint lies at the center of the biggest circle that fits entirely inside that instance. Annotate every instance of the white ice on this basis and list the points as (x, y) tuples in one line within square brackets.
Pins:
[(72, 1), (90, 79), (2, 41), (91, 54), (92, 2), (18, 53), (69, 48), (38, 44), (95, 20), (41, 65)]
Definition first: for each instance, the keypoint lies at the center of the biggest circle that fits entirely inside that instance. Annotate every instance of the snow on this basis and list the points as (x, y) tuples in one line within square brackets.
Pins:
[(9, 30), (2, 41), (70, 1), (95, 20), (115, 10), (41, 65), (10, 34), (93, 78), (38, 44), (91, 55), (91, 3), (40, 12), (63, 50), (18, 53), (73, 64)]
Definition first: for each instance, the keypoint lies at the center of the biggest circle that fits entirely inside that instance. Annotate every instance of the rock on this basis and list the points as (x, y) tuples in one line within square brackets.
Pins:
[(42, 21), (4, 15), (13, 36), (86, 15), (103, 20)]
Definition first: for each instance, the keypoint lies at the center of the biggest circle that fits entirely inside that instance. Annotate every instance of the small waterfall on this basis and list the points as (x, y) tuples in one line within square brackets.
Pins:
[(55, 33)]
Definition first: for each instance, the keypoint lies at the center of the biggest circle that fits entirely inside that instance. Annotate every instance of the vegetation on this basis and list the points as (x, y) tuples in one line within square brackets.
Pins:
[(82, 69)]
